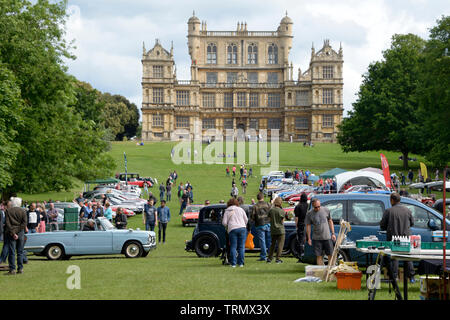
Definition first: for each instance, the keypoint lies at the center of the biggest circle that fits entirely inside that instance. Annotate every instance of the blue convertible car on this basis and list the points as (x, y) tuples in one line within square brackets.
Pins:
[(105, 239)]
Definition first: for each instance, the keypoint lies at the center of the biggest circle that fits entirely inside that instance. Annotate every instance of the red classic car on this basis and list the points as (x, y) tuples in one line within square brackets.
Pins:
[(135, 179), (190, 215)]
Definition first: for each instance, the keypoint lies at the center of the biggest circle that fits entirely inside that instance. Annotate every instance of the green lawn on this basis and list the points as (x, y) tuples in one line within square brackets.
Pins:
[(169, 272)]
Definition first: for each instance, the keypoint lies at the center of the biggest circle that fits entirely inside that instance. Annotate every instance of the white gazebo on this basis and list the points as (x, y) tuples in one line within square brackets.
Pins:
[(360, 177)]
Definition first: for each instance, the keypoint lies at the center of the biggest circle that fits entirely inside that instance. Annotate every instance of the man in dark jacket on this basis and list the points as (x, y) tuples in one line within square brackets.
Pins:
[(15, 229), (260, 215), (397, 221), (300, 213)]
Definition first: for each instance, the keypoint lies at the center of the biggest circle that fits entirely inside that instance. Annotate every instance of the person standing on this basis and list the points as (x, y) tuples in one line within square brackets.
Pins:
[(121, 219), (52, 215), (260, 216), (300, 214), (227, 170), (276, 215), (235, 221), (33, 218), (163, 216), (234, 191), (108, 211), (42, 217), (397, 221), (184, 201), (161, 192), (15, 229), (323, 231), (169, 191), (410, 176), (180, 191), (234, 171), (150, 216), (244, 186)]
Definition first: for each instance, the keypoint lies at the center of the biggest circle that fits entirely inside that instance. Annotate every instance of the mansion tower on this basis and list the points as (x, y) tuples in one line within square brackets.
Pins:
[(242, 79)]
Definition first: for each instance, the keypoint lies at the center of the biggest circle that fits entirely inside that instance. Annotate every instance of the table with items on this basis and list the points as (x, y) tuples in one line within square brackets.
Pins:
[(428, 254)]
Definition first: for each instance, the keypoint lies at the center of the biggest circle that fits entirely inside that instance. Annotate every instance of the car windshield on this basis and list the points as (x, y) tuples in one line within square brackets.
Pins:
[(193, 209)]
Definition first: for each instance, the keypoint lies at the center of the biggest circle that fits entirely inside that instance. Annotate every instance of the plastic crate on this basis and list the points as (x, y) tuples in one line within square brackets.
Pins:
[(366, 244), (348, 280), (433, 245), (403, 247)]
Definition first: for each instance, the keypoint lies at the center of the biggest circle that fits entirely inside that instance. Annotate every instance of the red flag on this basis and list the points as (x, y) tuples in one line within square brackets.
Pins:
[(385, 166)]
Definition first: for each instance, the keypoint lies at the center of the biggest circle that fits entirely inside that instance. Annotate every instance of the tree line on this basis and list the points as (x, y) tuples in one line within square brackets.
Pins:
[(403, 103), (53, 128)]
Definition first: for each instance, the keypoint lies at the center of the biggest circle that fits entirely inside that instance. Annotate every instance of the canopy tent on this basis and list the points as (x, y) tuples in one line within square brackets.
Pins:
[(360, 177), (332, 173), (313, 178), (99, 181), (376, 170)]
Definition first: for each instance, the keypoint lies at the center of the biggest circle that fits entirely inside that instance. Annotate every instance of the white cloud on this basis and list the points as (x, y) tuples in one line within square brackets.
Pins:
[(109, 34)]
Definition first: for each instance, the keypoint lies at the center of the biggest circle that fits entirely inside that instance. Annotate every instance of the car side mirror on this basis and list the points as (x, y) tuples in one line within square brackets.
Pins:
[(432, 225)]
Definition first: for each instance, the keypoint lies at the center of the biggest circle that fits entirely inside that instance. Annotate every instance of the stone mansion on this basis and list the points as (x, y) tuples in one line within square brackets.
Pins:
[(242, 79)]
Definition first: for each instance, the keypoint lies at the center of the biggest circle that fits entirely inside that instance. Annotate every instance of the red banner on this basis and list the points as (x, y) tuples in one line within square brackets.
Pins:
[(385, 167)]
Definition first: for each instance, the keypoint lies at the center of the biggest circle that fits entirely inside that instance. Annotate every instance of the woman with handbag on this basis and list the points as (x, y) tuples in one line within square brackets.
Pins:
[(235, 221)]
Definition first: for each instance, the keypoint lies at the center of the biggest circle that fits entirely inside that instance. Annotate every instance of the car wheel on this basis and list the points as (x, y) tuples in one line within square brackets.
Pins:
[(206, 246), (145, 253), (54, 252), (293, 247), (133, 249)]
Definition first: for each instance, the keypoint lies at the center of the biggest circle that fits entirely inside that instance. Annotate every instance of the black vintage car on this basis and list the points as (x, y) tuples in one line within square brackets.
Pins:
[(208, 238)]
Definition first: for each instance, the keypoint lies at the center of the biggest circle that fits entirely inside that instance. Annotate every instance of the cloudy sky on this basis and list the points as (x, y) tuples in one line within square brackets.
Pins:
[(108, 34)]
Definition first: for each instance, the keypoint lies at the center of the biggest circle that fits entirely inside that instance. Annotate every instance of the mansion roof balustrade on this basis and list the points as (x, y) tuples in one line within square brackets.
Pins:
[(239, 33)]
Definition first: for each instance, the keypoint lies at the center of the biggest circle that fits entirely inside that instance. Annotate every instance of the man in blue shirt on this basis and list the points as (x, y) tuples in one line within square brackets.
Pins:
[(150, 215), (163, 219)]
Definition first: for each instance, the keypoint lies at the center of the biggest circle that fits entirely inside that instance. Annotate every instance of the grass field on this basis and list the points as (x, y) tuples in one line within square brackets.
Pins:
[(169, 272)]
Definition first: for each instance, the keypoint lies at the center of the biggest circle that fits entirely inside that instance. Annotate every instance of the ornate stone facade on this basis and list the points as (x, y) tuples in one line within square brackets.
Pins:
[(242, 79)]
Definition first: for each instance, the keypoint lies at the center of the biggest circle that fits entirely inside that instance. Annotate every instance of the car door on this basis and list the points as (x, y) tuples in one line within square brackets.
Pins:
[(421, 217), (210, 220), (364, 217), (93, 242)]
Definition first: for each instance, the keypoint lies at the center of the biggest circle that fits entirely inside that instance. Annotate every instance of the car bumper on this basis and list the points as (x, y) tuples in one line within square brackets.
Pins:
[(148, 247)]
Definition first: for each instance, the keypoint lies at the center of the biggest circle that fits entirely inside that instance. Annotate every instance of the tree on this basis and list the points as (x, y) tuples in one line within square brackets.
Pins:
[(385, 114), (10, 123), (56, 145), (434, 94)]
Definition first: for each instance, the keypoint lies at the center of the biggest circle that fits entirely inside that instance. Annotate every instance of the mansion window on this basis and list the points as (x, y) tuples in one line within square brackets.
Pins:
[(209, 100), (328, 135), (232, 54), (182, 122), (241, 99), (211, 79), (182, 97), (158, 95), (211, 54), (254, 124), (209, 123), (327, 121), (327, 72), (157, 71), (327, 96), (273, 100), (252, 54), (254, 99), (272, 79), (228, 123), (158, 120), (301, 123), (228, 99), (252, 78), (302, 137), (274, 123), (231, 78), (302, 98), (273, 54)]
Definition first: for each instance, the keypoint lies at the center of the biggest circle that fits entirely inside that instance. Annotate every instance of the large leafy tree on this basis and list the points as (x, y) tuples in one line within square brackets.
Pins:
[(55, 143), (434, 94), (385, 115)]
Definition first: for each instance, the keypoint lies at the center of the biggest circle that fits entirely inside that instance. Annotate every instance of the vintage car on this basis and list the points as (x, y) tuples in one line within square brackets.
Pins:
[(135, 179), (190, 215), (209, 236), (105, 239)]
